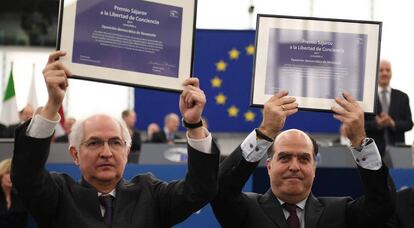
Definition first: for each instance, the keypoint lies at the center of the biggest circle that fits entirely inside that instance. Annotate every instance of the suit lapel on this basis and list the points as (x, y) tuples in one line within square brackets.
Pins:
[(87, 197), (125, 201), (273, 210), (313, 211)]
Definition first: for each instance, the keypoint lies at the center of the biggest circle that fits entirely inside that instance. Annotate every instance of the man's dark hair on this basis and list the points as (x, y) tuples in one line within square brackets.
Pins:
[(125, 113), (315, 145)]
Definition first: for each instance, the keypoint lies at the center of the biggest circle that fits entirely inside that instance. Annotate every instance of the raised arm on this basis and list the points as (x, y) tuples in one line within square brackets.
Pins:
[(31, 149), (180, 199), (229, 205), (377, 204)]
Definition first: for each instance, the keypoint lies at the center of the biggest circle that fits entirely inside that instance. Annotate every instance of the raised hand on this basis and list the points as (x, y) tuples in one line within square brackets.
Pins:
[(275, 112), (55, 75), (351, 115)]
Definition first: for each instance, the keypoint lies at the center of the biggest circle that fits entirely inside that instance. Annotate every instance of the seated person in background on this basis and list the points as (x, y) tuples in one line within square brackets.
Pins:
[(404, 211), (69, 122), (169, 132), (3, 130), (291, 166), (100, 145), (24, 114), (151, 130), (130, 118), (12, 212), (342, 140)]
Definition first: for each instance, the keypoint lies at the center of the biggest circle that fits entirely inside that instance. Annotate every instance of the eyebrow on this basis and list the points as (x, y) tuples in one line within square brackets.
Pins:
[(284, 153)]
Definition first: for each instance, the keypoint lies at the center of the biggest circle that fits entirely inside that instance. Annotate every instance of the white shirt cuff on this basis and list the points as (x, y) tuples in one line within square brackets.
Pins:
[(41, 127), (202, 145), (369, 157), (254, 149)]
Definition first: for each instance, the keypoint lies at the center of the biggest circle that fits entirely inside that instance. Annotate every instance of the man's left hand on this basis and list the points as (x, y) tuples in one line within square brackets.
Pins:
[(351, 115)]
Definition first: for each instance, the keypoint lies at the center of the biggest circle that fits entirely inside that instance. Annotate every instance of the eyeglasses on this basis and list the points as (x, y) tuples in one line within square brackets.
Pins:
[(115, 144)]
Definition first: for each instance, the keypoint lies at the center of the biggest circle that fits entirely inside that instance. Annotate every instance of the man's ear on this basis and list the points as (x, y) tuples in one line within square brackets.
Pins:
[(74, 154), (268, 165)]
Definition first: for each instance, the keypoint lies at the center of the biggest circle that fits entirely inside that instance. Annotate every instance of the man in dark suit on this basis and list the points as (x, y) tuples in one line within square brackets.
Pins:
[(99, 145), (291, 166), (404, 211), (24, 114), (130, 118), (169, 132), (392, 114)]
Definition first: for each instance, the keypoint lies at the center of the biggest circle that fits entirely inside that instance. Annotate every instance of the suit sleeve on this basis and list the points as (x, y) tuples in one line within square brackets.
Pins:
[(179, 199), (229, 205), (405, 122), (33, 182), (378, 203)]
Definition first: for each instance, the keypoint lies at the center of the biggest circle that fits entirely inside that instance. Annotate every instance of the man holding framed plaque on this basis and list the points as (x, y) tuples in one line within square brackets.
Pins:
[(99, 145), (291, 166)]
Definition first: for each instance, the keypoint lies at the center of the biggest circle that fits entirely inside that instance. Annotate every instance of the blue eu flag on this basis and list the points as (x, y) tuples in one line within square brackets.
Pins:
[(223, 61)]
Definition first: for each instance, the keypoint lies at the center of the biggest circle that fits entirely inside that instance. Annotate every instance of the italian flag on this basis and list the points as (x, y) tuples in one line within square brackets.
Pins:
[(9, 113)]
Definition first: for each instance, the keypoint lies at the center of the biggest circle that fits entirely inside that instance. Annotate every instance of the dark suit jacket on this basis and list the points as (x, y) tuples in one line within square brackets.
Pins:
[(404, 213), (160, 137), (236, 209), (56, 200), (136, 141), (14, 217), (400, 111)]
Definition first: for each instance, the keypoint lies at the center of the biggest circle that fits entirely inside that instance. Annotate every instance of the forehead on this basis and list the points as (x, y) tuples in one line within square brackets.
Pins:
[(101, 126), (385, 65), (295, 142)]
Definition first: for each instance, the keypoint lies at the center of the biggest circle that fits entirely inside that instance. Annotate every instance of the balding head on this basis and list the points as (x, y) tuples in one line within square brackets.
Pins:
[(294, 136), (385, 73)]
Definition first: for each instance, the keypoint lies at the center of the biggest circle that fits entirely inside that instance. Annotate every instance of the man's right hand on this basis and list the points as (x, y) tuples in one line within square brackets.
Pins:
[(55, 74), (275, 112)]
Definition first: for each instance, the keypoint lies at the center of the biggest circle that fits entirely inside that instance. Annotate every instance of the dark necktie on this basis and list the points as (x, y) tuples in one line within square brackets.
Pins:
[(385, 105), (384, 101), (106, 202), (293, 219)]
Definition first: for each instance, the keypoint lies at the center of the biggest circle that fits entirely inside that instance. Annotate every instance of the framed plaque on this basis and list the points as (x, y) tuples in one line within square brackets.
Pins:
[(316, 60), (144, 43)]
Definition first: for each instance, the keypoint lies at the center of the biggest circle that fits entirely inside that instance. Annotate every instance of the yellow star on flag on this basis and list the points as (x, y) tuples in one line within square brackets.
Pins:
[(221, 65), (234, 54), (250, 49), (249, 116), (216, 82), (233, 111), (221, 99)]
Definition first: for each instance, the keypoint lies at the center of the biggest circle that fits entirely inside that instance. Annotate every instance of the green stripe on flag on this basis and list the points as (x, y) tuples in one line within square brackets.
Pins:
[(10, 93)]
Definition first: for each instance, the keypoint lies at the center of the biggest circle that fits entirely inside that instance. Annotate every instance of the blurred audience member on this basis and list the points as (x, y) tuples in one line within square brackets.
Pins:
[(169, 132), (130, 118), (151, 130), (12, 212), (3, 130), (69, 122), (24, 114), (393, 113), (342, 140)]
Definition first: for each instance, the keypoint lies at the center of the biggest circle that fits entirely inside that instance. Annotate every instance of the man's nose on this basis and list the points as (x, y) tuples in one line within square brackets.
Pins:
[(294, 165), (106, 151)]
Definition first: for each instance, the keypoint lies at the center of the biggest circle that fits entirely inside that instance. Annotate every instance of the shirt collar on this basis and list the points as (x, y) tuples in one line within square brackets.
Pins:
[(301, 204), (380, 89), (112, 193)]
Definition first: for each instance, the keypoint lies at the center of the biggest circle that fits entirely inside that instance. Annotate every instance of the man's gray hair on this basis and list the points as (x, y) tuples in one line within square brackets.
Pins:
[(76, 135)]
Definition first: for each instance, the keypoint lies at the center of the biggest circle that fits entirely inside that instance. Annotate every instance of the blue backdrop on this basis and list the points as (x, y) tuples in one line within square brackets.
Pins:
[(223, 61)]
